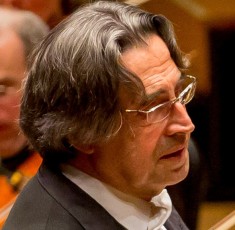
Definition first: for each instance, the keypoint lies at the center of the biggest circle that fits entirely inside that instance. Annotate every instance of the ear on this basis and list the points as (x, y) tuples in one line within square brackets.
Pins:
[(87, 149)]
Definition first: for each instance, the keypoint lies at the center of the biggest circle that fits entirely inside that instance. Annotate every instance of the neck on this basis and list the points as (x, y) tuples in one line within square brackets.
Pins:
[(11, 147)]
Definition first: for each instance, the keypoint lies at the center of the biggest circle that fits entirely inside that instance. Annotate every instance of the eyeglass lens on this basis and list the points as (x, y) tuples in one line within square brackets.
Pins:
[(185, 92)]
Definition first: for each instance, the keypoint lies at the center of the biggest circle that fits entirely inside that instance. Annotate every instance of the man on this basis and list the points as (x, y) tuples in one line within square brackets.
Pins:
[(19, 31), (185, 195), (104, 104)]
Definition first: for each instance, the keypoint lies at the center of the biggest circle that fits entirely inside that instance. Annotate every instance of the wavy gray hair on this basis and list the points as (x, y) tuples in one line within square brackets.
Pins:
[(72, 91)]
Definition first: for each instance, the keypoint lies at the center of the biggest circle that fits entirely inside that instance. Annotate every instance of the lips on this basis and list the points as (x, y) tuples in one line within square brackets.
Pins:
[(175, 160), (176, 154)]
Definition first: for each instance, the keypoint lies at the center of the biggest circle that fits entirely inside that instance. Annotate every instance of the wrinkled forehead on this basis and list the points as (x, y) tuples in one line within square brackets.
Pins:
[(152, 64), (153, 51)]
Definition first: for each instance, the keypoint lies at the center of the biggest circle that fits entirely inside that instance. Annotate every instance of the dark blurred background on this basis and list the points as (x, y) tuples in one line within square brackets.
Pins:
[(206, 30)]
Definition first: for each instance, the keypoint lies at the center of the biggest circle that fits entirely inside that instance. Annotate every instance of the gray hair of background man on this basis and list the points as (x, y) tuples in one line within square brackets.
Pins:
[(72, 91), (28, 26)]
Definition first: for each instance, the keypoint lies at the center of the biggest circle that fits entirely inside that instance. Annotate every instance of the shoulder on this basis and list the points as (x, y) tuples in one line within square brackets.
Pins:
[(175, 222), (35, 209)]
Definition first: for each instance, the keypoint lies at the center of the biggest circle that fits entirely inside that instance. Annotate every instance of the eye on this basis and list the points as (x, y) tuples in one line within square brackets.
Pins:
[(154, 100), (7, 89), (3, 89)]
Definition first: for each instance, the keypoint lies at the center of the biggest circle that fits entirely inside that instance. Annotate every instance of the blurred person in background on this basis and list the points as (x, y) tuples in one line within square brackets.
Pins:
[(19, 32)]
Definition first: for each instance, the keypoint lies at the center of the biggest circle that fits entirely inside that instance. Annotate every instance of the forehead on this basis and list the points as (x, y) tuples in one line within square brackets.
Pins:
[(152, 63), (153, 52), (11, 46), (9, 38), (12, 56)]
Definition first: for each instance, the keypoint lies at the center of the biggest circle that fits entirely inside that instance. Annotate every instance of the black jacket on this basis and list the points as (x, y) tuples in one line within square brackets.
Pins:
[(52, 202)]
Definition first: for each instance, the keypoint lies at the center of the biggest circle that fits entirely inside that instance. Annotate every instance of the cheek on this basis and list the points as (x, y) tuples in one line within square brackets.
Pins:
[(147, 138), (141, 149), (12, 106), (14, 101)]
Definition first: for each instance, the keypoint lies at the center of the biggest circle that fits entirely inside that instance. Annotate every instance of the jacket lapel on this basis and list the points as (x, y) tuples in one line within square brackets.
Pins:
[(78, 203)]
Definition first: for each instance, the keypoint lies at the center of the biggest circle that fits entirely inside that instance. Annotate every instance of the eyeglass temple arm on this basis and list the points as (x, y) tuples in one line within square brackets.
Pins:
[(186, 89)]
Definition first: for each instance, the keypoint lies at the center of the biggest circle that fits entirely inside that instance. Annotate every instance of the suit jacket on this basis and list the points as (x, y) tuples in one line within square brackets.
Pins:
[(52, 202)]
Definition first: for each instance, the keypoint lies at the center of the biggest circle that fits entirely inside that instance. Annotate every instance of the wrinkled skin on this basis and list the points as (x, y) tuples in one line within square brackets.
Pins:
[(142, 159)]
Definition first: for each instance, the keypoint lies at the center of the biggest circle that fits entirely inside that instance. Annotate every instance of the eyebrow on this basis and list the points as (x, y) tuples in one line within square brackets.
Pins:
[(148, 98), (7, 80)]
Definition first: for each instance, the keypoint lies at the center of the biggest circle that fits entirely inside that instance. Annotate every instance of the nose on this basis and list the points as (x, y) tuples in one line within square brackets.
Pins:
[(179, 120)]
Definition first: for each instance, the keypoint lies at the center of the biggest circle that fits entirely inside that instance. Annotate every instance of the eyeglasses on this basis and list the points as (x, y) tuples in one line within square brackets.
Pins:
[(184, 93)]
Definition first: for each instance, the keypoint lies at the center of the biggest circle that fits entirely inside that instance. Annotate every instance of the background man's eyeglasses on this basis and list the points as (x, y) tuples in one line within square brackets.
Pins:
[(185, 93)]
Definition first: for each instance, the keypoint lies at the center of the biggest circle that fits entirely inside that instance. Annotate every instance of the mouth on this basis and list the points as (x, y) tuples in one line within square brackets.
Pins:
[(173, 155), (176, 160)]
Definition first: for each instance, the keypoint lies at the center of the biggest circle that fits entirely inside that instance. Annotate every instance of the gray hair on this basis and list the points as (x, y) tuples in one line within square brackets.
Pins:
[(72, 91), (28, 26)]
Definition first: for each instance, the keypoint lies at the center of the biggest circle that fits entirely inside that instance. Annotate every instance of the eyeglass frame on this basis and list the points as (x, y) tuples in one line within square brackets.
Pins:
[(191, 85)]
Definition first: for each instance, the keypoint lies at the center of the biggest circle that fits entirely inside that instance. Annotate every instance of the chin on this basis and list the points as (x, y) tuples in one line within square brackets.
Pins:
[(179, 174)]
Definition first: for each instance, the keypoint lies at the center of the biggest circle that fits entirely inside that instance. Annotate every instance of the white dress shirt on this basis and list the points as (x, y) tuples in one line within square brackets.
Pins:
[(131, 212)]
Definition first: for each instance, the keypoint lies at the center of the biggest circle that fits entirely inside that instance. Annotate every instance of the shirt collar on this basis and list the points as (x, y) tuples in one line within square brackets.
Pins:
[(131, 212)]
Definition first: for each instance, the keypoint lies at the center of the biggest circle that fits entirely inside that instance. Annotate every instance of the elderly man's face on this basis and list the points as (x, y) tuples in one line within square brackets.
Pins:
[(142, 158), (12, 71)]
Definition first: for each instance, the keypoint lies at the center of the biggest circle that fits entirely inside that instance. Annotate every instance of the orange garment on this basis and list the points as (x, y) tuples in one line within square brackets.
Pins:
[(22, 174)]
